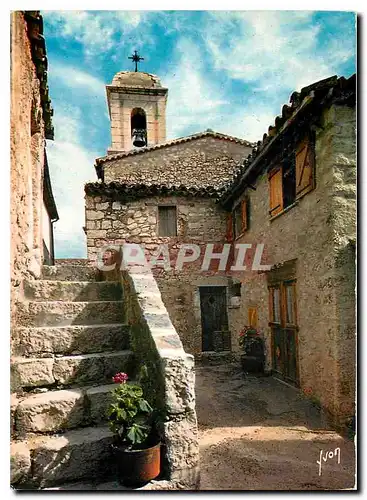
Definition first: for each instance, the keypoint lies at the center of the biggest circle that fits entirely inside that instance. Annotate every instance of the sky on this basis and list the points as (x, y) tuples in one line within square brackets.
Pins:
[(230, 71)]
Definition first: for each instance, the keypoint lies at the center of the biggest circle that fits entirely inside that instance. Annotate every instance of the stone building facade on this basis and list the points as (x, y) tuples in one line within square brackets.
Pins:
[(32, 205), (304, 170), (185, 175), (305, 304)]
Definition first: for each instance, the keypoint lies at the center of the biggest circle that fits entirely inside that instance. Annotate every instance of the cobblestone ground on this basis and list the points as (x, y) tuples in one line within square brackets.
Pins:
[(257, 433)]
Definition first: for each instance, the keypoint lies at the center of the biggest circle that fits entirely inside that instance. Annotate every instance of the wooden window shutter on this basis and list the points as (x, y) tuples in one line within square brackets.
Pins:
[(244, 214), (172, 221), (276, 191), (229, 234), (252, 316), (167, 221), (304, 168)]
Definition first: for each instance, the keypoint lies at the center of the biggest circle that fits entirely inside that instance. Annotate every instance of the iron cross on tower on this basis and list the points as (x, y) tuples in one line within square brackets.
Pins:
[(136, 58)]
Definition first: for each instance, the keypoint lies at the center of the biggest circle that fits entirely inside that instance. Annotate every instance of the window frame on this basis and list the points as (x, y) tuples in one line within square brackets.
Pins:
[(290, 163), (241, 211), (271, 305), (162, 206), (282, 285)]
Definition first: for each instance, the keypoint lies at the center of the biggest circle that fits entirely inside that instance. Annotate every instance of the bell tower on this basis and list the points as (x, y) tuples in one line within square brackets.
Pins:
[(137, 109)]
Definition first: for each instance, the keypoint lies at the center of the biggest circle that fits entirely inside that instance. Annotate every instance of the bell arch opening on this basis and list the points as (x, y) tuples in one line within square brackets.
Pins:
[(139, 127)]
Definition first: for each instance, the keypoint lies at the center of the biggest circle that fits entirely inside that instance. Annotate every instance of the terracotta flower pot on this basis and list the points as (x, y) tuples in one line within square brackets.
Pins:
[(137, 467)]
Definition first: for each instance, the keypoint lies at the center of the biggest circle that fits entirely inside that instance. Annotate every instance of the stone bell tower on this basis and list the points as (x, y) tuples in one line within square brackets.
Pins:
[(137, 108)]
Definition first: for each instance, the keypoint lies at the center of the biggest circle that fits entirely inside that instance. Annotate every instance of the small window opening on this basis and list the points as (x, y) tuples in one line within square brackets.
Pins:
[(139, 127), (236, 290), (289, 183), (167, 221)]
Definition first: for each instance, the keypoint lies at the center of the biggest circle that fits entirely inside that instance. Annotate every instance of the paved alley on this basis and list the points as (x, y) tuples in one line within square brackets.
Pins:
[(257, 433)]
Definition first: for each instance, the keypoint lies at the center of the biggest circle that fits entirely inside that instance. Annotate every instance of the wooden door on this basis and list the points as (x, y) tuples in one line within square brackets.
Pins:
[(213, 305), (283, 322)]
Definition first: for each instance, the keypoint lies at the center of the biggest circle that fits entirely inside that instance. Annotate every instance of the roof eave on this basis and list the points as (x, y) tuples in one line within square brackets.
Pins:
[(173, 142), (238, 186)]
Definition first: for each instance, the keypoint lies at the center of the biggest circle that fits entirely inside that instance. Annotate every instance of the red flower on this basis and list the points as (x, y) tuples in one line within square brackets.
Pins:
[(120, 378)]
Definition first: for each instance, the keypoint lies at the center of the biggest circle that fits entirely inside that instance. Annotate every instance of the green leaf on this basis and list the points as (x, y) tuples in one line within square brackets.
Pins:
[(137, 434), (145, 406), (121, 414)]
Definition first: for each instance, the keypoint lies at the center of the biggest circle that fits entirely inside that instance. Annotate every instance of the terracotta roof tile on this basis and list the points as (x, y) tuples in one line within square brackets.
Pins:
[(118, 190), (34, 22)]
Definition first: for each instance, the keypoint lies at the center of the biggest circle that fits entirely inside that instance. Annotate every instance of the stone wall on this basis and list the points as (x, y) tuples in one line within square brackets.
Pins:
[(340, 132), (199, 221), (206, 161), (27, 157), (316, 232), (170, 385)]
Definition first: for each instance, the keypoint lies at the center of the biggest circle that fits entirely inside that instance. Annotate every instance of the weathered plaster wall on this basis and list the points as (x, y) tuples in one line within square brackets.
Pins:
[(205, 161), (316, 232), (340, 131), (27, 156)]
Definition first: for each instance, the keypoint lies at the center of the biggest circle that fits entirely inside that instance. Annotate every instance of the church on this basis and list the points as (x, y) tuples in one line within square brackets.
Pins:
[(292, 194)]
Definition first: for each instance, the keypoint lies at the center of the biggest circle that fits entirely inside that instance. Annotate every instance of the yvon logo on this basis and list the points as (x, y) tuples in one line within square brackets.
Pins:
[(329, 455)]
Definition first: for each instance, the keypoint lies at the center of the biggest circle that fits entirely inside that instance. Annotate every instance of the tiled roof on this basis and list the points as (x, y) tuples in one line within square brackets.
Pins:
[(121, 191), (48, 196), (38, 47), (207, 133), (333, 89), (136, 79)]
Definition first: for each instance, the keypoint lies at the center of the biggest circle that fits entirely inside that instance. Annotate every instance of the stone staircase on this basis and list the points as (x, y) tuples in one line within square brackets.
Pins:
[(70, 340)]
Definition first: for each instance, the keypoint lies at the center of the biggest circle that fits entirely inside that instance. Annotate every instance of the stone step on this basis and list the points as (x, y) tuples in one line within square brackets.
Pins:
[(67, 340), (63, 409), (58, 313), (81, 454), (70, 273), (69, 371), (74, 291)]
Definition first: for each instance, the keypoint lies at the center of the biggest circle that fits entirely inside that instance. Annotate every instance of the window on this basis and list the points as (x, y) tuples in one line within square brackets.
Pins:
[(139, 127), (290, 306), (293, 178), (275, 305), (289, 183), (237, 220), (167, 221), (240, 218), (236, 289), (229, 232)]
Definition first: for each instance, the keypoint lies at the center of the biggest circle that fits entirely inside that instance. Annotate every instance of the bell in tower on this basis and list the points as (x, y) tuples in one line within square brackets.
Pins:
[(137, 108), (138, 128)]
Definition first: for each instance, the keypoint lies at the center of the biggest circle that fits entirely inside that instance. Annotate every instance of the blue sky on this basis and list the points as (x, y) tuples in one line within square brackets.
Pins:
[(229, 71)]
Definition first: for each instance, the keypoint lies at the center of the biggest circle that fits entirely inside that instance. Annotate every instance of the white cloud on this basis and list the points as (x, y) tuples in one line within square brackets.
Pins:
[(271, 49), (72, 77), (192, 100), (100, 32), (196, 103)]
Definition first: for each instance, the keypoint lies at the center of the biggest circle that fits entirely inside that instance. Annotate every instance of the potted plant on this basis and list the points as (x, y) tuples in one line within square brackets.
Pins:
[(136, 446), (252, 345)]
